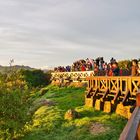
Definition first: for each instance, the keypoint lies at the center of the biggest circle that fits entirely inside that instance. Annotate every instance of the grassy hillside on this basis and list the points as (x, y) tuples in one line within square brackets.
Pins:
[(48, 121)]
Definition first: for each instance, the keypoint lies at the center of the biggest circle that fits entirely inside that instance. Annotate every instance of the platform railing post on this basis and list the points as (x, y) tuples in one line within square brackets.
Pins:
[(138, 98), (138, 105)]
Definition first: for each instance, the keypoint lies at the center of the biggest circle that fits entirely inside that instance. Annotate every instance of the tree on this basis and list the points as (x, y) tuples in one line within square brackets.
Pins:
[(124, 64), (13, 112), (35, 78)]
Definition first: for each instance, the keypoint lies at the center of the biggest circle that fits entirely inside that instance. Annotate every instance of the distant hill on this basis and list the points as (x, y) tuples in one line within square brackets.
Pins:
[(4, 69)]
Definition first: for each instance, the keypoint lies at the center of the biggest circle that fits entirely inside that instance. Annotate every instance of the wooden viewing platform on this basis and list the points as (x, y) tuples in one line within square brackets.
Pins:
[(112, 93)]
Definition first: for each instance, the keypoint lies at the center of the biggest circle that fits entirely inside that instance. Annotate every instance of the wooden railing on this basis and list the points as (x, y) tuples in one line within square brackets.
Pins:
[(132, 128), (116, 93), (113, 84), (74, 76)]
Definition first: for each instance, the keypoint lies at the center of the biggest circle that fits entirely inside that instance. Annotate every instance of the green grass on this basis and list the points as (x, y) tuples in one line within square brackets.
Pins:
[(49, 124), (67, 98)]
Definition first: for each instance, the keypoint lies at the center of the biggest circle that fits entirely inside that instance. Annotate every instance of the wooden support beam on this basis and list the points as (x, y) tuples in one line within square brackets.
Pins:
[(127, 95), (118, 93), (95, 93), (91, 97), (105, 94), (88, 92)]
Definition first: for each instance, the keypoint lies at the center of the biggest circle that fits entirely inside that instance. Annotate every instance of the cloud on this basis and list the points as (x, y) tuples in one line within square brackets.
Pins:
[(48, 33)]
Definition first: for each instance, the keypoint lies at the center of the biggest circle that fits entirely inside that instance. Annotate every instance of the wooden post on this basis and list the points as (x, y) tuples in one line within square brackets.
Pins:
[(138, 104), (138, 98), (132, 128)]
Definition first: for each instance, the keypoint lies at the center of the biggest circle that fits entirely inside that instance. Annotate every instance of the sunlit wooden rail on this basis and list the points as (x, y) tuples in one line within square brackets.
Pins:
[(73, 76), (112, 93), (132, 128)]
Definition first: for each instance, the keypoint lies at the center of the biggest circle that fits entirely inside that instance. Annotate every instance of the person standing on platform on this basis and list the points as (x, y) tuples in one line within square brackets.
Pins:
[(138, 68), (116, 70), (134, 68)]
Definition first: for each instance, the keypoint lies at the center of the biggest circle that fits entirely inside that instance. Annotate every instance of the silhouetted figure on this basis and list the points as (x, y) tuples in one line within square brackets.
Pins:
[(116, 70)]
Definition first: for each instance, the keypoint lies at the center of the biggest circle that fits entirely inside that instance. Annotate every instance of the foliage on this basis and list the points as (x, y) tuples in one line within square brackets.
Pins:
[(49, 123), (24, 79), (46, 118), (124, 64), (36, 78), (13, 112)]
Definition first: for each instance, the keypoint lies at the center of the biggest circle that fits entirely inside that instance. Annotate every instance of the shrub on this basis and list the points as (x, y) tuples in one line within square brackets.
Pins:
[(13, 112), (36, 78)]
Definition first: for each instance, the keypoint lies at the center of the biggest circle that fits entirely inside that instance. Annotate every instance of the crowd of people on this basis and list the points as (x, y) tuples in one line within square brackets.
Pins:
[(102, 68)]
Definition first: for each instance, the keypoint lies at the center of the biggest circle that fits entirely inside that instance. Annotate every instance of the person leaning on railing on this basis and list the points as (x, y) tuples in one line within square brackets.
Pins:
[(116, 69), (109, 70), (134, 68), (96, 69), (138, 68)]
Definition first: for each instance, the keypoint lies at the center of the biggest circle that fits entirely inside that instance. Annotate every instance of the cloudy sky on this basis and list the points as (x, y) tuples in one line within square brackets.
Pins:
[(47, 33)]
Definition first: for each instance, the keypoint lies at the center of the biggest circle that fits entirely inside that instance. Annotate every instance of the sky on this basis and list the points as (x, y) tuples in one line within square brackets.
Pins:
[(49, 33)]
